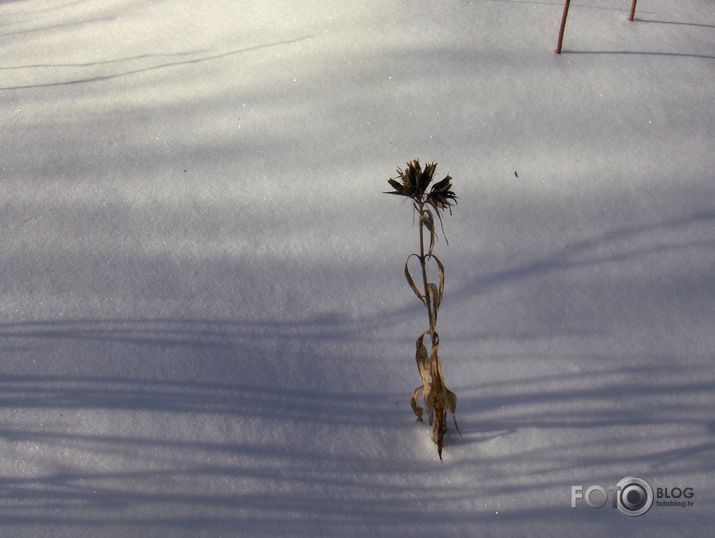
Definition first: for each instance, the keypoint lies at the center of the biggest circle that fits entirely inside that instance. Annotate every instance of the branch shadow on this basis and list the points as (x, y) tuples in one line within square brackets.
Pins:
[(60, 26), (592, 413), (638, 53), (157, 67), (258, 483), (618, 245), (121, 475), (241, 346), (105, 62), (560, 4), (693, 24), (108, 477)]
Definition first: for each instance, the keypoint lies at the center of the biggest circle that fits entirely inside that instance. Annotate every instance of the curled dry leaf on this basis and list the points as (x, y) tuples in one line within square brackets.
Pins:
[(439, 401), (428, 220), (423, 368), (440, 273), (434, 296), (411, 281)]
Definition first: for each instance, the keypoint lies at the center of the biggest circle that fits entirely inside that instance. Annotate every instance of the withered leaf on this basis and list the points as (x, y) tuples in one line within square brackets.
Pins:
[(411, 281), (396, 185), (428, 220), (440, 272), (426, 176), (434, 296)]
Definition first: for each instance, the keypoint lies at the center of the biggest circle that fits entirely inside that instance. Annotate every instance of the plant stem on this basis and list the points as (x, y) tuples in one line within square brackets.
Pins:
[(423, 263)]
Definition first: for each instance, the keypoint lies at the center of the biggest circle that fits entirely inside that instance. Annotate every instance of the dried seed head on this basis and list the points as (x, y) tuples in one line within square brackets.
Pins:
[(413, 181), (441, 196)]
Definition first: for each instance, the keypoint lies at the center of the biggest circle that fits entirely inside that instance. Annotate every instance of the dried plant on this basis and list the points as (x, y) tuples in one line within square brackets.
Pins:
[(412, 182)]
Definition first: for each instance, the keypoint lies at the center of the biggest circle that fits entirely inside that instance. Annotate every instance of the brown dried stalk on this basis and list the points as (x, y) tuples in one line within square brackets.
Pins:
[(632, 13), (412, 182), (565, 14)]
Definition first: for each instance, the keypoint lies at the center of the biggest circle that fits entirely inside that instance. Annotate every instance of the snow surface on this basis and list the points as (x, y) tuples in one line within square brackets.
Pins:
[(205, 329)]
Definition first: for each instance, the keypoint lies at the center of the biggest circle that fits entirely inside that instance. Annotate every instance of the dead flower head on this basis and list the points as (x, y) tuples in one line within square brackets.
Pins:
[(413, 181)]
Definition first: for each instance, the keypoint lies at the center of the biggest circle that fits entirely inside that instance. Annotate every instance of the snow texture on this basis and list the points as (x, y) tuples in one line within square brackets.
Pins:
[(204, 326)]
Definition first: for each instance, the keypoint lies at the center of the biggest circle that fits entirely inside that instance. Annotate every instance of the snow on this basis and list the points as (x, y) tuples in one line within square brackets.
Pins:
[(205, 329)]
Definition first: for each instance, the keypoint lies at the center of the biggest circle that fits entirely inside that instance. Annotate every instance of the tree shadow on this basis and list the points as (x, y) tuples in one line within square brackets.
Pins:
[(156, 67), (255, 480), (105, 62), (608, 426), (125, 476), (638, 53), (614, 246), (693, 24), (560, 4), (59, 26)]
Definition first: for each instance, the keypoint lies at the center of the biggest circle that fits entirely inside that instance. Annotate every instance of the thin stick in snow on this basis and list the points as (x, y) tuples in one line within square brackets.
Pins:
[(563, 25), (633, 10)]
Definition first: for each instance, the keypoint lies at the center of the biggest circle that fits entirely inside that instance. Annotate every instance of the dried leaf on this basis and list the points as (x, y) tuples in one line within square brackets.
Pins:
[(411, 281), (433, 293), (422, 367), (422, 360), (410, 177), (428, 220), (441, 196), (440, 399), (396, 185), (441, 222), (438, 431), (442, 186), (440, 271), (452, 404), (413, 402), (429, 404), (426, 176)]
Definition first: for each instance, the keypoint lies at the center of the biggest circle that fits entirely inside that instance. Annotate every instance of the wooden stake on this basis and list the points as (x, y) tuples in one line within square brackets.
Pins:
[(563, 25), (633, 10)]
